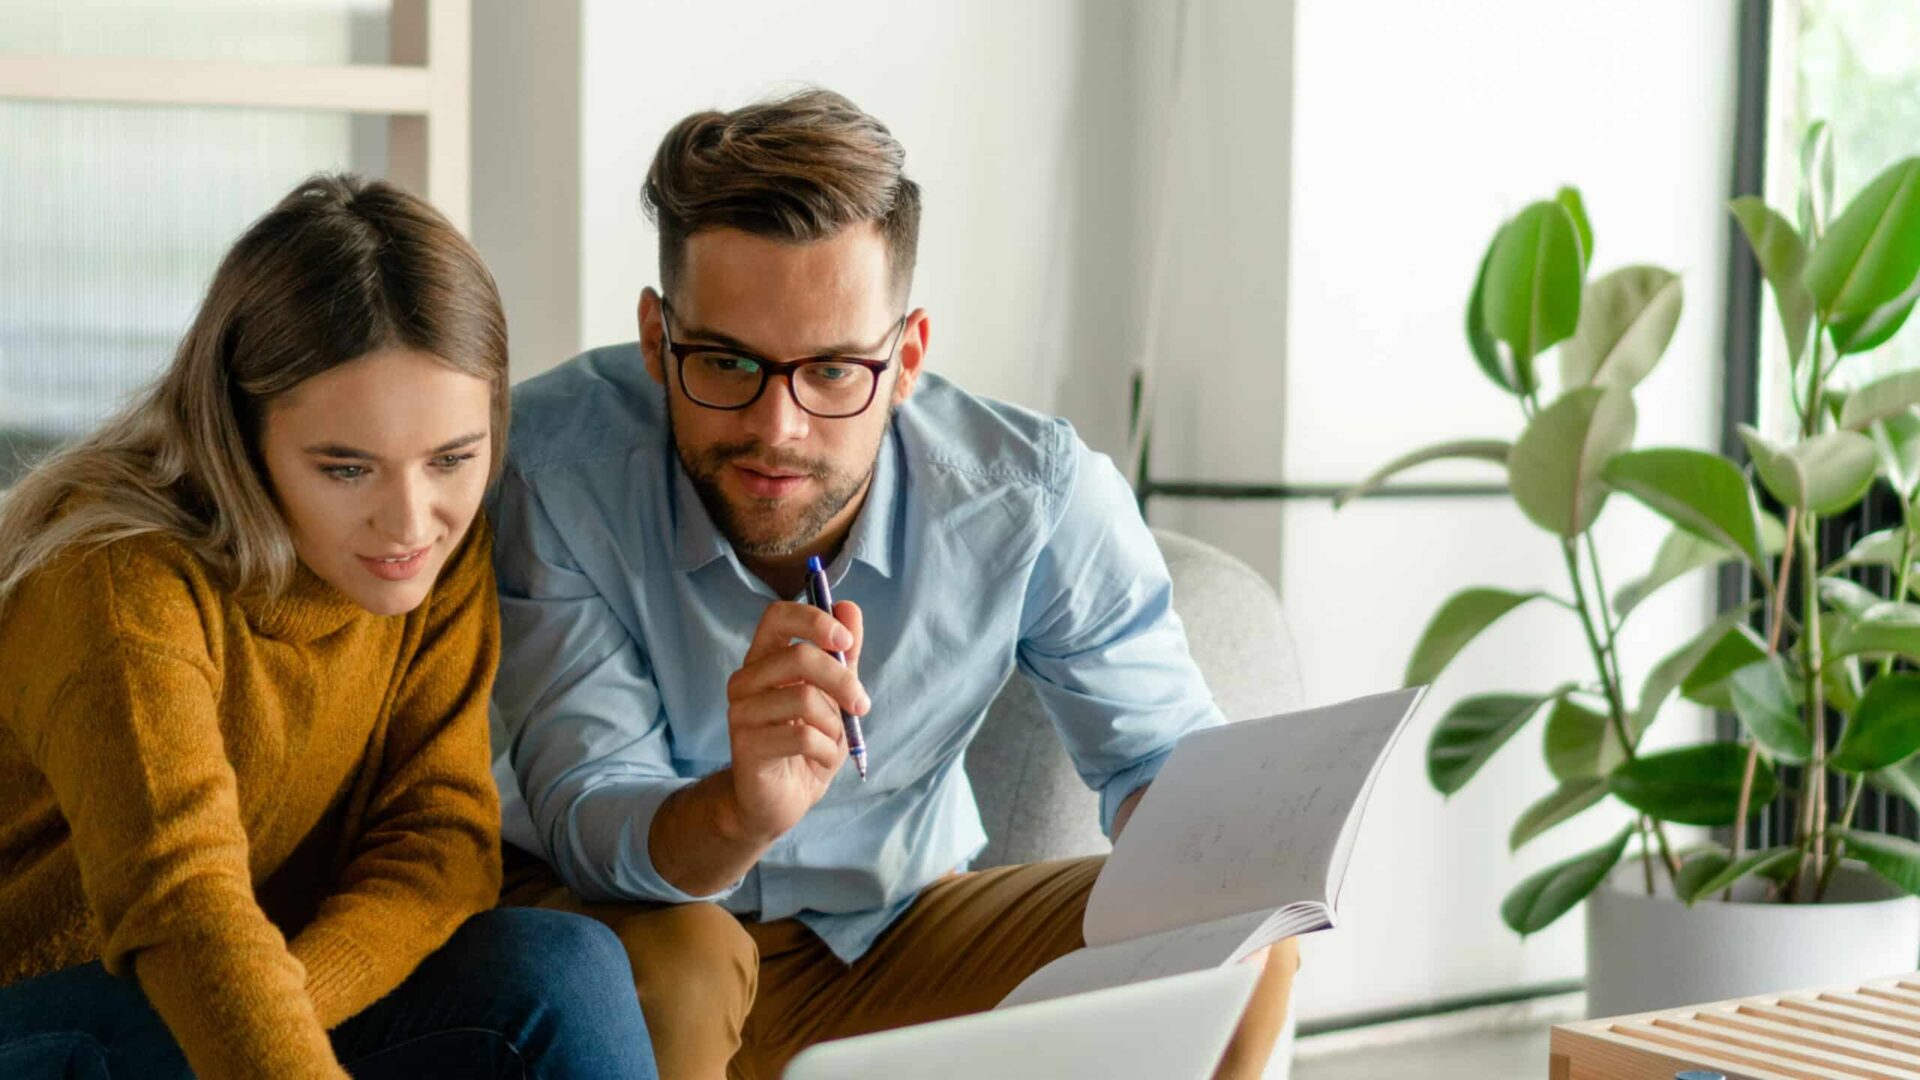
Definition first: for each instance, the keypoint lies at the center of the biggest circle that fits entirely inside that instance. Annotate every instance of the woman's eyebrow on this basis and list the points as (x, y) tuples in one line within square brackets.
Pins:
[(350, 453)]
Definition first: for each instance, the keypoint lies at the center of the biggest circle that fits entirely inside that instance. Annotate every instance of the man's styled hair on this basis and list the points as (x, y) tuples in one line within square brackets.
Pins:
[(799, 168)]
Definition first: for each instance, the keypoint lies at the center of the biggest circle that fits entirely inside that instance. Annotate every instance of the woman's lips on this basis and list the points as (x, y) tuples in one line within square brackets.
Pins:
[(398, 568), (768, 485)]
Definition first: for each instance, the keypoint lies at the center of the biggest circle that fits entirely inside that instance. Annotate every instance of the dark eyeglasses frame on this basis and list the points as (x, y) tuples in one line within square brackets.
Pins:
[(771, 368)]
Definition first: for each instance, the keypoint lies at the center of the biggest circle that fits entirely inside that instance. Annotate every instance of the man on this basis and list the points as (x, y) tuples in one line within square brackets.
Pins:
[(673, 711)]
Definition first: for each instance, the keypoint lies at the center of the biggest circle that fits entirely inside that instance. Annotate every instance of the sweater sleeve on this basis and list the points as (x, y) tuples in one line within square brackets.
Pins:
[(130, 742), (427, 856)]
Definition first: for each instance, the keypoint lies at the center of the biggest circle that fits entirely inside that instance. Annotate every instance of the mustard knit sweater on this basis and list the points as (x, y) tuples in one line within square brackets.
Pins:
[(269, 811)]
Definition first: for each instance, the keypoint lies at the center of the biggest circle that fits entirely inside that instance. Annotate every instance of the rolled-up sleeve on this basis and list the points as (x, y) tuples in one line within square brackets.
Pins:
[(1100, 641), (586, 733)]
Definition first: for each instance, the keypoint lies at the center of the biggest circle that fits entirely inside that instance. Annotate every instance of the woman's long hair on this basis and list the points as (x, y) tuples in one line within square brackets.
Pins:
[(340, 268)]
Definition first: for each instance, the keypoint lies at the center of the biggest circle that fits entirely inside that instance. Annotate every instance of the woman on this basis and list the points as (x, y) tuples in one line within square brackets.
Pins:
[(247, 636)]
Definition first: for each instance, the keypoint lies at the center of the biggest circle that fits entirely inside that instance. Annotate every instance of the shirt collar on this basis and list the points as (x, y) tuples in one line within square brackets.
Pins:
[(871, 539), (697, 541)]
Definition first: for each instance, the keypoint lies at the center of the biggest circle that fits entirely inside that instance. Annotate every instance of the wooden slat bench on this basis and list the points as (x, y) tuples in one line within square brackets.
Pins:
[(1870, 1031)]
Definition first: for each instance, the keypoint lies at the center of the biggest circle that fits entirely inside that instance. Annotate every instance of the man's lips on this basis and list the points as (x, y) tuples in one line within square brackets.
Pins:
[(767, 483)]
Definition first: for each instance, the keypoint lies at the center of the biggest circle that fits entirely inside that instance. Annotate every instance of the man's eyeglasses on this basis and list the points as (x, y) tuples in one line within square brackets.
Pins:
[(829, 387)]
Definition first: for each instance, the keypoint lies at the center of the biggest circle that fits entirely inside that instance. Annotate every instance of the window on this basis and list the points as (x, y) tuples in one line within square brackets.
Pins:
[(138, 139), (1854, 64)]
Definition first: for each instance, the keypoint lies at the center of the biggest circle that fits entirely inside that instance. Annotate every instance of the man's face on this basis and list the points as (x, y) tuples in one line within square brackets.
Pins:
[(776, 479)]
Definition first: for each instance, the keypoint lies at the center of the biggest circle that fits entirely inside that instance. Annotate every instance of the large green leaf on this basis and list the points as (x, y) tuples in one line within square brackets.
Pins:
[(1490, 450), (1839, 467), (1570, 198), (1824, 474), (1892, 857), (1700, 492), (1487, 352), (1885, 728), (1694, 785), (1472, 730), (1626, 322), (1459, 621), (1707, 682), (1563, 802), (1848, 597), (1710, 873), (1902, 779), (1782, 257), (1865, 333), (1532, 297), (1897, 440), (1672, 670), (1763, 699), (1554, 471), (1881, 399), (1535, 903), (1880, 548), (1881, 630), (1579, 742), (1841, 677), (1871, 252)]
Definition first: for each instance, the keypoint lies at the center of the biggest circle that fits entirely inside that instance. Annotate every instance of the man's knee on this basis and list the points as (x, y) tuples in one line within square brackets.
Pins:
[(692, 953), (1286, 953)]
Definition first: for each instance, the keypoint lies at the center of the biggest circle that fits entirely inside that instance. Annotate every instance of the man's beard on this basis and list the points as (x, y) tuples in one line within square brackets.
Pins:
[(767, 527)]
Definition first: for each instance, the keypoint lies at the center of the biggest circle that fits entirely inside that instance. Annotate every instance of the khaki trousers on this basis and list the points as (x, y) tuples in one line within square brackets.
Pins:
[(729, 998)]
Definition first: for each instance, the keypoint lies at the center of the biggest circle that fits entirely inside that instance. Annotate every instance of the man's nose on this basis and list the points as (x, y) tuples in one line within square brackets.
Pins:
[(776, 418)]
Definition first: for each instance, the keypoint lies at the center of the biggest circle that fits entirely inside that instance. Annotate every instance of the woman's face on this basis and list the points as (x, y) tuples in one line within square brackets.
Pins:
[(379, 466)]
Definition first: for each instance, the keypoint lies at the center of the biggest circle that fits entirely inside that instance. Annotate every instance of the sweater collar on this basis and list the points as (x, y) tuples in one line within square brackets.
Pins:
[(307, 610)]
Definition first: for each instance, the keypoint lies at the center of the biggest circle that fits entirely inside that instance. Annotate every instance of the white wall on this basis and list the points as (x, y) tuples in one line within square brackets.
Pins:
[(984, 96), (526, 171), (1417, 128)]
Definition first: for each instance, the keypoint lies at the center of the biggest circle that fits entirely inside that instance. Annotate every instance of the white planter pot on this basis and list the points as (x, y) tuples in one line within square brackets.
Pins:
[(1653, 952)]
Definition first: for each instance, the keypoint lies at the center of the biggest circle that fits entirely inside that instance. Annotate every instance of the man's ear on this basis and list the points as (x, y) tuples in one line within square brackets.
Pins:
[(653, 336), (911, 354)]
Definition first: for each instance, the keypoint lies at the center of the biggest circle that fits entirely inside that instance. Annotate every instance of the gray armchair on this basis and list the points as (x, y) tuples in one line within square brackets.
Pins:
[(1035, 806)]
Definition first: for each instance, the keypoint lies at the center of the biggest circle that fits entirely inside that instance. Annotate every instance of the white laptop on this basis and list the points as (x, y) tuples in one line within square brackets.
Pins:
[(1165, 1029)]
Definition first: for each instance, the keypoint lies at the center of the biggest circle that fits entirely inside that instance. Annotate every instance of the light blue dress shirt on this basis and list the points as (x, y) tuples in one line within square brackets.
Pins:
[(991, 538)]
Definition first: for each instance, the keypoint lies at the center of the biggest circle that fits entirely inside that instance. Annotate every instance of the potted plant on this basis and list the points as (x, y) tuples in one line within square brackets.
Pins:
[(1819, 668)]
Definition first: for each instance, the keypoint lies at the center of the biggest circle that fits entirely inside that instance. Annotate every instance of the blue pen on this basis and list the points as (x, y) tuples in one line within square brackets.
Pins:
[(822, 598)]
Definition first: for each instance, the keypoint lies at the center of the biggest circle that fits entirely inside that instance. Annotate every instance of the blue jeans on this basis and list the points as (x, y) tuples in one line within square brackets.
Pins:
[(515, 993)]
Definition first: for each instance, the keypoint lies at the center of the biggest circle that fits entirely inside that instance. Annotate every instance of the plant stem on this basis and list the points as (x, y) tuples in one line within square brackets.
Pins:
[(1779, 619), (1813, 808), (1846, 822), (1612, 649), (1740, 808), (1776, 622), (1616, 708), (1611, 652), (1813, 786)]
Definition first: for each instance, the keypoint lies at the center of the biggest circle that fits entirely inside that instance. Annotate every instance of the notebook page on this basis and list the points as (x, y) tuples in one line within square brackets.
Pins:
[(1350, 832), (1243, 818)]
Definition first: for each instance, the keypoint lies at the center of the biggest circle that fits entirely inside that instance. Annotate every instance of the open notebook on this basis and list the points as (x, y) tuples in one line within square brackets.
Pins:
[(1242, 840), (1168, 1029)]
